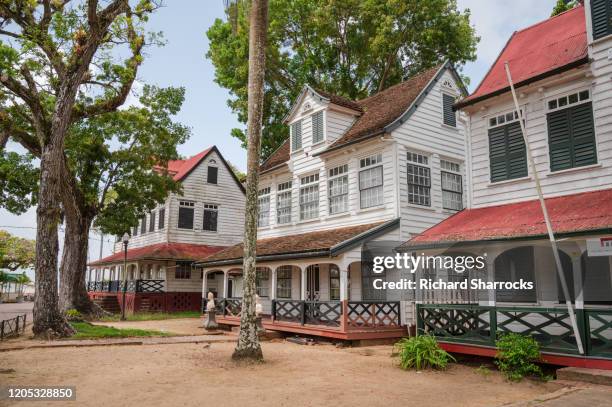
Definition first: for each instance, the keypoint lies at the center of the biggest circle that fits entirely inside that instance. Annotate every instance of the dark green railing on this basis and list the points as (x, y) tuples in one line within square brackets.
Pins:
[(551, 327)]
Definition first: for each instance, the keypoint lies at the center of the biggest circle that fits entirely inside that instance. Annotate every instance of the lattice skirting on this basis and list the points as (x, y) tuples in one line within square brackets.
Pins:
[(156, 302)]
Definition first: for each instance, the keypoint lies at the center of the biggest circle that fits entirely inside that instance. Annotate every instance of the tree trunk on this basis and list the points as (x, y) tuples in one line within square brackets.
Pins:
[(248, 347), (49, 322), (73, 269)]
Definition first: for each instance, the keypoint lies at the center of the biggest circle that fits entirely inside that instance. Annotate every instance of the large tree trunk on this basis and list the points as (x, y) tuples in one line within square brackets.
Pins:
[(248, 347), (73, 268), (49, 322)]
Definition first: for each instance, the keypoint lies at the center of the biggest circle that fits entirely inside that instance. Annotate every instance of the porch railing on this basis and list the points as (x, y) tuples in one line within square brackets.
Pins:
[(138, 286), (551, 327)]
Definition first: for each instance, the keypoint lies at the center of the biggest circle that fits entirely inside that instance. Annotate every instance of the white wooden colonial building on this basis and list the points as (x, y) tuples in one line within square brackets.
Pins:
[(562, 70), (383, 168), (207, 217)]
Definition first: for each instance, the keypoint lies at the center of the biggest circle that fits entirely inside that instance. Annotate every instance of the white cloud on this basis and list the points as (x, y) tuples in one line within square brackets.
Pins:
[(495, 21)]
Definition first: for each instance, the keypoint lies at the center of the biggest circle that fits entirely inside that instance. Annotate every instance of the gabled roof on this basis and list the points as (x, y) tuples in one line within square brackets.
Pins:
[(179, 169), (380, 113), (320, 243), (570, 214), (161, 251), (533, 53)]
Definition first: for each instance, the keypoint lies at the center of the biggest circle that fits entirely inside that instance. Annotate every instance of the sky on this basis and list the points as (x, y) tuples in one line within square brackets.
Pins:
[(182, 62)]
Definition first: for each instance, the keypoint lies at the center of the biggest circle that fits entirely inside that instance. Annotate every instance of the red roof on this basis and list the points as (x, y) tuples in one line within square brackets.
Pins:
[(546, 47), (166, 251), (584, 212), (180, 168)]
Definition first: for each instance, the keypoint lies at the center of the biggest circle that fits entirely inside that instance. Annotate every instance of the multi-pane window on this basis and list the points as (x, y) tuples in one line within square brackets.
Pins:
[(152, 221), (211, 216), (135, 231), (283, 203), (296, 136), (371, 181), (507, 153), (263, 207), (185, 216), (571, 133), (212, 175), (452, 185), (182, 271), (334, 283), (262, 281), (143, 225), (419, 179), (338, 189), (283, 281), (309, 197), (317, 127), (449, 115), (162, 218)]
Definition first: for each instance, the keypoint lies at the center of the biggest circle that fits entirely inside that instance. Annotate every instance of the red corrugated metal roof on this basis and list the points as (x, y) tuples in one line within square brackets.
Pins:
[(177, 251), (536, 50), (588, 211)]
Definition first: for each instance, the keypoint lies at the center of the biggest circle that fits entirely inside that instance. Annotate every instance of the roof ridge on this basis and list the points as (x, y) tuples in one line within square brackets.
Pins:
[(409, 79), (550, 18)]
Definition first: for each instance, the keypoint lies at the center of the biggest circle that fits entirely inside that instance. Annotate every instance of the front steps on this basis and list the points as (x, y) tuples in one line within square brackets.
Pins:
[(108, 304)]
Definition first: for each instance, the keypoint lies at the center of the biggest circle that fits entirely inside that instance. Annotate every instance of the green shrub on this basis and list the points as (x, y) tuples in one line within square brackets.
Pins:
[(421, 352), (517, 356), (74, 315)]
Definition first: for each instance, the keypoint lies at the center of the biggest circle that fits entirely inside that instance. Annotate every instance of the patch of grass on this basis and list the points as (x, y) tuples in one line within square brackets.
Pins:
[(483, 370), (85, 330), (153, 316)]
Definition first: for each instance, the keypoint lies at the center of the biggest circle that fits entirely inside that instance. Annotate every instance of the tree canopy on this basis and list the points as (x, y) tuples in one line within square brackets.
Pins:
[(352, 48), (563, 5), (16, 252)]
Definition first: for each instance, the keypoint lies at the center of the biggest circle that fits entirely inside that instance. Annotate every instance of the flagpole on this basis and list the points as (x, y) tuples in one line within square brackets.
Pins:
[(551, 234)]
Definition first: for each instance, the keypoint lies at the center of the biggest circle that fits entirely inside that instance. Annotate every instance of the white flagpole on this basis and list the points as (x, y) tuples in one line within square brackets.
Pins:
[(551, 235)]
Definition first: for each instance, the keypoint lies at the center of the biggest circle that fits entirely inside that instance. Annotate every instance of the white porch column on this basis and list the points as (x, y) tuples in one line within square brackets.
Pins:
[(344, 284), (225, 283), (304, 285), (490, 262), (577, 270), (273, 283), (204, 283)]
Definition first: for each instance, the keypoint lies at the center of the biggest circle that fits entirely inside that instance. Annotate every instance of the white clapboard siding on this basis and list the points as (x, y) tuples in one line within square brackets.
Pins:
[(226, 194), (597, 79), (192, 284), (426, 134)]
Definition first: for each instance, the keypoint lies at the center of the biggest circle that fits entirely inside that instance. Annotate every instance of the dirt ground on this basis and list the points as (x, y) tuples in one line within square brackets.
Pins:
[(293, 375)]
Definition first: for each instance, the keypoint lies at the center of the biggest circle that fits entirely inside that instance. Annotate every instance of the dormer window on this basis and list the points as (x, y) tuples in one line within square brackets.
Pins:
[(296, 136), (317, 127)]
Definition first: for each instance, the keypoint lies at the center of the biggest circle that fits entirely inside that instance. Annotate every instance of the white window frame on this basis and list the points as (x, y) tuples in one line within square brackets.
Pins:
[(421, 162), (211, 208), (580, 99), (262, 281), (368, 165), (337, 175), (263, 207), (309, 186), (186, 204), (283, 195), (452, 168), (505, 118)]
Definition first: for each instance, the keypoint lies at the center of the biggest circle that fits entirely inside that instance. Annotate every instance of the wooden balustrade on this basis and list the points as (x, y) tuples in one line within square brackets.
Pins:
[(138, 286)]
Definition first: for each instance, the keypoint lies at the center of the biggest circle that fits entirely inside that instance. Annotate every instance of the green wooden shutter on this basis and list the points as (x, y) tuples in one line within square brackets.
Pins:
[(571, 137), (507, 154), (296, 135), (450, 117), (317, 127), (601, 17), (583, 135)]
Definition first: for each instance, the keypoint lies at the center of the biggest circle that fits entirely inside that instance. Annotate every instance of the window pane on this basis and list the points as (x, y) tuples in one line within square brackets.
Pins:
[(263, 211), (338, 195), (309, 202), (371, 187), (283, 207), (185, 220)]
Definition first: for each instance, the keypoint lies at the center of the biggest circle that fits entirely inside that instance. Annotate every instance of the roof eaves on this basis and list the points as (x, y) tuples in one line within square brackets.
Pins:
[(368, 234)]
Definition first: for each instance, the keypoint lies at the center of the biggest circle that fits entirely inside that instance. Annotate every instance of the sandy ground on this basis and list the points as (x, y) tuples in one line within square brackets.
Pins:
[(11, 310), (293, 375)]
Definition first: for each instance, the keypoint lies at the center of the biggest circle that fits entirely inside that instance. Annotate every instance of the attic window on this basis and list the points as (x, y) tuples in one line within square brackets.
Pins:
[(318, 132), (212, 175), (296, 136)]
